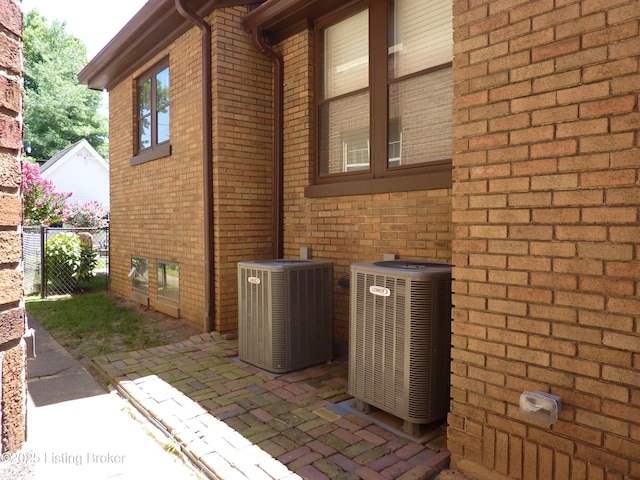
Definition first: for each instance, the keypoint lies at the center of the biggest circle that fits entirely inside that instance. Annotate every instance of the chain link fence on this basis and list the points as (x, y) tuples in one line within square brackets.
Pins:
[(53, 265), (32, 255)]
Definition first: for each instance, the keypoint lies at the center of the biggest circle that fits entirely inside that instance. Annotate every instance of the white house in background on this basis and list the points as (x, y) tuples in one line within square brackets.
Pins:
[(81, 170)]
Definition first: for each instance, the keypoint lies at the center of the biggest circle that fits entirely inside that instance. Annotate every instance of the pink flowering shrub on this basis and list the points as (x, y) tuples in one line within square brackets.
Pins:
[(42, 204), (87, 215)]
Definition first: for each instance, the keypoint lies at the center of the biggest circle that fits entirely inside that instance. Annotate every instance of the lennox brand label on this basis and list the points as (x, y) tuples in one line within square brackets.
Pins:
[(254, 280), (379, 291)]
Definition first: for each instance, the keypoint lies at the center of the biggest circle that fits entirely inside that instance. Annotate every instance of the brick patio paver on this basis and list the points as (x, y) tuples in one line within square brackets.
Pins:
[(239, 422)]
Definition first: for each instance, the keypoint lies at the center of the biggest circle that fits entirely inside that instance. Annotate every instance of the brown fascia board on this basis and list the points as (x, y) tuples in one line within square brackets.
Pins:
[(152, 29), (279, 19)]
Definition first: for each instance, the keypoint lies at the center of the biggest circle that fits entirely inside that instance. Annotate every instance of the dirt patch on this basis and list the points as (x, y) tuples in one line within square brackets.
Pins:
[(173, 329)]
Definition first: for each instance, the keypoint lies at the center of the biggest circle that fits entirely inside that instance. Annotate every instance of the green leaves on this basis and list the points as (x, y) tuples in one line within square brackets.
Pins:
[(69, 261), (59, 111)]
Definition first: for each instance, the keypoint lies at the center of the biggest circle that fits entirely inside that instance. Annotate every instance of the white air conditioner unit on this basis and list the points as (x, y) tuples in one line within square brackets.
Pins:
[(285, 313), (400, 339)]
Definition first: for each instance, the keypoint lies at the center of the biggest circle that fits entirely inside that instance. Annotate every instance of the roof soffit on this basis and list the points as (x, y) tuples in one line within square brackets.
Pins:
[(279, 19), (151, 30)]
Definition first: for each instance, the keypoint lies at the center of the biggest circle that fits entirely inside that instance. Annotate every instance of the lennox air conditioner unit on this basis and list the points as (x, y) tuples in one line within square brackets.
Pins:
[(400, 339), (285, 313)]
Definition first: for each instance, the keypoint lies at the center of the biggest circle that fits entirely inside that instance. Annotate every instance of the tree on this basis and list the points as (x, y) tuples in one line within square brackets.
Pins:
[(87, 215), (42, 203), (59, 111)]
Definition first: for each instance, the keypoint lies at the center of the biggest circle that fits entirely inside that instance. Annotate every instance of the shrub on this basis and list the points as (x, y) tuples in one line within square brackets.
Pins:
[(68, 262), (62, 260), (88, 262)]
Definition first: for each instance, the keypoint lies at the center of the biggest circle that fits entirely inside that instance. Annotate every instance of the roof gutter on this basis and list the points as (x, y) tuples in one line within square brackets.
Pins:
[(207, 162), (278, 157)]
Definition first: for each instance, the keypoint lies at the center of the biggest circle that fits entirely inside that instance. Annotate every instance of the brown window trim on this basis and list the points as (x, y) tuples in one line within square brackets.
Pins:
[(437, 179), (156, 150), (162, 150), (379, 178)]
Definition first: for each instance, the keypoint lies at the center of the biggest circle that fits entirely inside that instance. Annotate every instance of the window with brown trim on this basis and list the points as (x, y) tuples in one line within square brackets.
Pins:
[(153, 113), (384, 100)]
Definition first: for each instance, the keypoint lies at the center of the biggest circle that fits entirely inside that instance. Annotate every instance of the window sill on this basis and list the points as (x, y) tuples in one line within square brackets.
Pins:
[(167, 308), (426, 181), (160, 151), (140, 297)]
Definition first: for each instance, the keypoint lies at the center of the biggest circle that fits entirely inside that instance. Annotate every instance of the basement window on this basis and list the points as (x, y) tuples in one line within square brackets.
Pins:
[(169, 281), (139, 275), (153, 114), (168, 289)]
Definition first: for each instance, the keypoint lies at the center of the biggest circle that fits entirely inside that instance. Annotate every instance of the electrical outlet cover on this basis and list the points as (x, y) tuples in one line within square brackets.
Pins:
[(540, 406)]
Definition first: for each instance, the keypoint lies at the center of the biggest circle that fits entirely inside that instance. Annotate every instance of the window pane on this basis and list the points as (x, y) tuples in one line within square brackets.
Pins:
[(163, 125), (153, 108), (346, 55), (139, 274), (162, 88), (144, 132), (169, 281), (355, 150), (421, 35), (394, 151), (422, 108), (144, 98), (344, 132)]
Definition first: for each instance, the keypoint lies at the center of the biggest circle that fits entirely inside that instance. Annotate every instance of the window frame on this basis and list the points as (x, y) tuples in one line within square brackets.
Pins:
[(394, 135), (155, 150), (379, 178)]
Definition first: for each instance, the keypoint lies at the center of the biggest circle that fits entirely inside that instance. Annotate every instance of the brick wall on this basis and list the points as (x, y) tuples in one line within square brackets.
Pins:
[(545, 207), (157, 207), (348, 229), (243, 166), (12, 314)]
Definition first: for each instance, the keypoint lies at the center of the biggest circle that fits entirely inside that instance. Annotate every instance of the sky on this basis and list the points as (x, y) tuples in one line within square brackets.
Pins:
[(93, 22)]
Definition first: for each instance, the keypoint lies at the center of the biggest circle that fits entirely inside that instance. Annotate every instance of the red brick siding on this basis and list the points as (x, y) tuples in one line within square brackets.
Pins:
[(545, 239)]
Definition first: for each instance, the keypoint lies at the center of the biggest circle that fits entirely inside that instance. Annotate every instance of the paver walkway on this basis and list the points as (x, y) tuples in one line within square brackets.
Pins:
[(236, 421)]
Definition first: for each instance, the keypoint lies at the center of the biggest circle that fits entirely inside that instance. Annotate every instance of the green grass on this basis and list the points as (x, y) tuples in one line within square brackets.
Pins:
[(92, 323)]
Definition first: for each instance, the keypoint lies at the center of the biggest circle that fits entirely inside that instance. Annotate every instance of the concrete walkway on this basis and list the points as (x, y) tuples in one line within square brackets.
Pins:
[(76, 430), (235, 421)]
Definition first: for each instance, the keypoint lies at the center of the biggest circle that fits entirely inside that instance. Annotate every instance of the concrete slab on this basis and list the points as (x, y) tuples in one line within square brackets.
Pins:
[(54, 375), (98, 438)]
